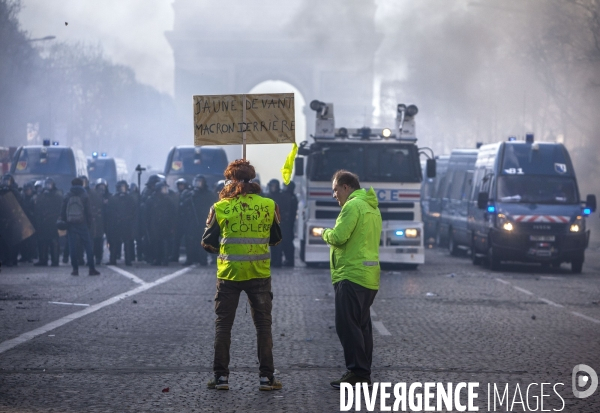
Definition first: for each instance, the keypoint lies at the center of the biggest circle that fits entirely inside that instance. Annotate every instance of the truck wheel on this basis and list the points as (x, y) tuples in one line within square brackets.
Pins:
[(577, 266), (493, 261), (451, 244)]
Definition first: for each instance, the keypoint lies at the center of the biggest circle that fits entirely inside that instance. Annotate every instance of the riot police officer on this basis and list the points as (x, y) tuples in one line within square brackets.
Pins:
[(47, 212), (274, 192), (161, 219), (121, 219), (98, 205), (195, 207)]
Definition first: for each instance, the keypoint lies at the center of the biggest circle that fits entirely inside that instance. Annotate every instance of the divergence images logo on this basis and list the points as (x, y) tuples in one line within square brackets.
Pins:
[(579, 381)]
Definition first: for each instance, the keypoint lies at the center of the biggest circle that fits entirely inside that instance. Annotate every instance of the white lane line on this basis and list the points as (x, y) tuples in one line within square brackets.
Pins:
[(8, 344), (381, 328), (373, 313), (523, 290), (552, 303), (60, 302), (594, 320), (129, 275)]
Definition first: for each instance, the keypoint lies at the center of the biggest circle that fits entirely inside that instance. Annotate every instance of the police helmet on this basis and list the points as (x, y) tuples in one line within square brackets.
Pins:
[(291, 186), (28, 186), (181, 181), (8, 179), (219, 186), (49, 183), (101, 181), (85, 180), (273, 182), (163, 187), (133, 187), (153, 180), (199, 179), (122, 184), (38, 184)]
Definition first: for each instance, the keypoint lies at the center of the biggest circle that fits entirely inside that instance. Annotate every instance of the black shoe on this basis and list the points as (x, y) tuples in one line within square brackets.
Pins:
[(187, 263), (288, 264), (350, 378), (93, 272), (40, 264), (128, 264), (75, 272), (112, 263), (65, 260), (54, 264), (219, 383), (268, 385)]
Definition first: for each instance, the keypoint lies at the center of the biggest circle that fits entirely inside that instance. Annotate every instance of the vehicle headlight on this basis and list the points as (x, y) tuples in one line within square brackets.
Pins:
[(316, 231), (504, 223), (578, 225), (411, 233)]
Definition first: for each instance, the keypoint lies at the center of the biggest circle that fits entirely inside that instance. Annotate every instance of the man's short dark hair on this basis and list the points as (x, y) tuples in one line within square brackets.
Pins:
[(343, 177), (77, 182)]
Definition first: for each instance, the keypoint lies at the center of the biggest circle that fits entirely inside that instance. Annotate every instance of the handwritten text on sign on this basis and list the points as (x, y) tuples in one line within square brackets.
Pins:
[(222, 119)]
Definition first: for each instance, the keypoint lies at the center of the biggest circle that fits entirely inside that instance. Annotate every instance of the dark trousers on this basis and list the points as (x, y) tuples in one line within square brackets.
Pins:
[(99, 249), (80, 233), (287, 243), (115, 244), (260, 298), (276, 255), (49, 245), (194, 251), (353, 325)]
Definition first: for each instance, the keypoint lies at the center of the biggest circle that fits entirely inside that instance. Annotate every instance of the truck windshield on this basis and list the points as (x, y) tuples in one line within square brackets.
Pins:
[(188, 161), (537, 189), (102, 168), (536, 159), (371, 162), (45, 161)]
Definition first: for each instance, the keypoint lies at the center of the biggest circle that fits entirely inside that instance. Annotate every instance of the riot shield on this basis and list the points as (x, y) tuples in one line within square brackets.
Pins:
[(14, 224)]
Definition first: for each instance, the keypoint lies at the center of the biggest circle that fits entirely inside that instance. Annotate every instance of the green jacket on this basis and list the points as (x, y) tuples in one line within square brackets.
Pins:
[(354, 241)]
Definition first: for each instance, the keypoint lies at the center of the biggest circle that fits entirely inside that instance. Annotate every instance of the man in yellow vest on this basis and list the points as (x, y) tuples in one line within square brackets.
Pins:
[(240, 227)]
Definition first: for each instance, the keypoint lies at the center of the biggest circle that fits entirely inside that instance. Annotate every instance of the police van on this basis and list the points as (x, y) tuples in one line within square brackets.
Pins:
[(453, 194), (526, 206), (61, 163), (188, 161), (108, 168)]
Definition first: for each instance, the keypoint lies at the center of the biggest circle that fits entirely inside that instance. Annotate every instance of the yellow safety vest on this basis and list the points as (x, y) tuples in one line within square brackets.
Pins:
[(245, 223)]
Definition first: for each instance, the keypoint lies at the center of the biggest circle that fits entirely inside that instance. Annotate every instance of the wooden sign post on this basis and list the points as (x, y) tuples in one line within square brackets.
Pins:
[(244, 119)]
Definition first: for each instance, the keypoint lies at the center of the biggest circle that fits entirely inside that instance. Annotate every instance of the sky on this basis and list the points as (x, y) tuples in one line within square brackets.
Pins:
[(131, 32)]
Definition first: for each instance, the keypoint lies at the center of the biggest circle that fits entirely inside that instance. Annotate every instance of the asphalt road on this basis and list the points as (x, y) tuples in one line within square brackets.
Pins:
[(116, 342)]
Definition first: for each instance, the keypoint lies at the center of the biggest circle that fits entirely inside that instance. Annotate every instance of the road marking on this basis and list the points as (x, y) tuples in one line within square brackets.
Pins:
[(8, 344), (585, 317), (373, 313), (523, 290), (550, 302), (381, 328), (129, 275), (60, 302)]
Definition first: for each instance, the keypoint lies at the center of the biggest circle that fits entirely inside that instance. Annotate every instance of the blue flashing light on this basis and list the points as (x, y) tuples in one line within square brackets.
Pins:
[(587, 211), (104, 154), (512, 138), (95, 154), (400, 233), (491, 209)]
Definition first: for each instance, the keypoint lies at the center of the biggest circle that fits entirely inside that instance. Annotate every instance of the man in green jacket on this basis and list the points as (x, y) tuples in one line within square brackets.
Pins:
[(354, 262)]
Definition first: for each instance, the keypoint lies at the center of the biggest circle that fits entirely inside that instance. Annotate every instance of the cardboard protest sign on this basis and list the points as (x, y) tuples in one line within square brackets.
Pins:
[(244, 119)]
